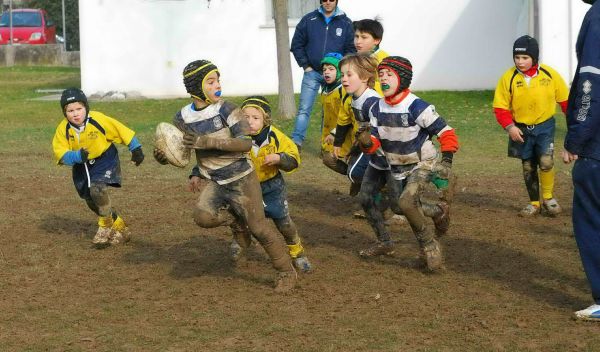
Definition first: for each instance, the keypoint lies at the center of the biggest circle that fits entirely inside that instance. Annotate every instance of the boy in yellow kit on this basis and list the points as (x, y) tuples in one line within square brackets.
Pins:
[(85, 140), (524, 104)]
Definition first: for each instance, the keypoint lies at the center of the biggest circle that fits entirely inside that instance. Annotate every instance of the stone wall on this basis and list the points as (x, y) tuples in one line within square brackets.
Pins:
[(37, 55)]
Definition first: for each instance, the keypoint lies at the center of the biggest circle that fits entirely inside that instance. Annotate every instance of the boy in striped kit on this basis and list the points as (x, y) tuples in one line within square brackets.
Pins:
[(401, 125), (230, 192)]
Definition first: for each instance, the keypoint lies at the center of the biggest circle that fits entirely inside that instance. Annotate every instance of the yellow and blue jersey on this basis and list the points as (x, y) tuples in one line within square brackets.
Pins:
[(274, 142), (98, 134), (334, 101)]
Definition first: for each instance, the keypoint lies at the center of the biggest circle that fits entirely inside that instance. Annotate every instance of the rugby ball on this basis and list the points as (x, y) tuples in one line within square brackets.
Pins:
[(169, 140)]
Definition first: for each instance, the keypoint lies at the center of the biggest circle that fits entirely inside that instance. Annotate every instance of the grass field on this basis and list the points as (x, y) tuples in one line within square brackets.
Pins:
[(510, 284)]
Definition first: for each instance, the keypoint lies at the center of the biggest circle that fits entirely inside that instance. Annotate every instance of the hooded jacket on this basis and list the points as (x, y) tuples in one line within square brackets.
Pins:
[(314, 37), (583, 111)]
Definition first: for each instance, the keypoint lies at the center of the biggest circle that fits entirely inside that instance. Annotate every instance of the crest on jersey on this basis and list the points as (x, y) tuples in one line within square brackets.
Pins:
[(404, 118), (217, 122), (587, 87)]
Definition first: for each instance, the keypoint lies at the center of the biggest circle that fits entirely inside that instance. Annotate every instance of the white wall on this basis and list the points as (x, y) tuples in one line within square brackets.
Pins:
[(559, 26), (143, 45)]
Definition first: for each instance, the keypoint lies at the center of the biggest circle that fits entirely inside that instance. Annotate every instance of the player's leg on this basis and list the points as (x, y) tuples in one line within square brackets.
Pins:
[(334, 163), (545, 151), (245, 199), (101, 202), (530, 175), (241, 239), (370, 188), (410, 203), (211, 210), (311, 82)]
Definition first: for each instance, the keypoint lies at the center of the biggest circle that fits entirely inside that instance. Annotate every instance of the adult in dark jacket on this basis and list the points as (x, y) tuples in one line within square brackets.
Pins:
[(325, 30), (582, 145)]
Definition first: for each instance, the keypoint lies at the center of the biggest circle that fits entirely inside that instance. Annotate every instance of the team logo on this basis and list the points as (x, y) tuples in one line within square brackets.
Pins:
[(107, 174), (338, 32), (217, 122), (587, 87), (93, 135), (404, 118)]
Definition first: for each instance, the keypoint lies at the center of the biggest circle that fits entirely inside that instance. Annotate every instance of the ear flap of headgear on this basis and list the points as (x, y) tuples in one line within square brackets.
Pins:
[(334, 60), (261, 103), (73, 95), (194, 75), (401, 67)]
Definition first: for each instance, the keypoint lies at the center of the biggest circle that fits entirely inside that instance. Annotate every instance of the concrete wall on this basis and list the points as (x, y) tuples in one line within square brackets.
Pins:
[(559, 26), (143, 45), (37, 55)]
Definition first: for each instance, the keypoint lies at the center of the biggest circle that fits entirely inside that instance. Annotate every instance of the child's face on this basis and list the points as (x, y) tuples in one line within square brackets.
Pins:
[(255, 117), (389, 82), (364, 42), (76, 113), (329, 73), (211, 86), (351, 81), (523, 62)]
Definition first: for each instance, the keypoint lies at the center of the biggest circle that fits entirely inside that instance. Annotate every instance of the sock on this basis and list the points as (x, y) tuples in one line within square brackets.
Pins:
[(535, 203), (547, 181), (118, 224), (295, 249), (105, 221)]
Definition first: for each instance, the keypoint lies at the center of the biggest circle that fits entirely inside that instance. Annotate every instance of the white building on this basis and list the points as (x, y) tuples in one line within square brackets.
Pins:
[(143, 45)]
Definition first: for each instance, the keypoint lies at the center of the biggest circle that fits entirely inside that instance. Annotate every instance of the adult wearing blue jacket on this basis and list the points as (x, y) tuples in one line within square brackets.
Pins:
[(582, 144), (325, 30)]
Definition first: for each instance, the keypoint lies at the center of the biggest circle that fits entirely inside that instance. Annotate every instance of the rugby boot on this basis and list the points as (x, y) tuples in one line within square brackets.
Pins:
[(354, 188), (120, 232), (442, 220), (235, 250), (105, 230), (591, 313), (302, 263), (102, 236), (551, 207), (379, 248), (286, 281), (529, 210), (432, 254)]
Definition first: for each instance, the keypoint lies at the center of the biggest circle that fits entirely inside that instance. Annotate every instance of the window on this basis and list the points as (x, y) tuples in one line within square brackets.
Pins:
[(296, 9)]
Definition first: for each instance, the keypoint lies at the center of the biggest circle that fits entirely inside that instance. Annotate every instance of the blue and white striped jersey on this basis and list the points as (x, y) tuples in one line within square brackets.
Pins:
[(361, 107), (219, 120), (405, 131)]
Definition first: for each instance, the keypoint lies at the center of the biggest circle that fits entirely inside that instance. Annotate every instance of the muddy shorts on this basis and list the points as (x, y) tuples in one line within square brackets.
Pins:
[(104, 169), (274, 197), (357, 165), (539, 140)]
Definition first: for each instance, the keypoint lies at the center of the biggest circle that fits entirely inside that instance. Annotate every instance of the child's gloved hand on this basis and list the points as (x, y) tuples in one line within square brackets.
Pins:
[(363, 136), (443, 169), (137, 156), (83, 155), (159, 156), (193, 141)]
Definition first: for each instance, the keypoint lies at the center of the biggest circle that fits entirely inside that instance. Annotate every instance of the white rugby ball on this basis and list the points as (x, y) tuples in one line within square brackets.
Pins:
[(169, 139)]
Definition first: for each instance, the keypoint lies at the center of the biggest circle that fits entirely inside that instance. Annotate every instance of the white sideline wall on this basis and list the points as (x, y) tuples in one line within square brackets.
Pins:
[(143, 45)]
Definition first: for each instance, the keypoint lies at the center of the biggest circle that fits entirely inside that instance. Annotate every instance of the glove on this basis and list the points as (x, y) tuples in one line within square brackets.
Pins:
[(159, 156), (137, 156), (363, 136), (443, 169), (84, 155), (192, 141)]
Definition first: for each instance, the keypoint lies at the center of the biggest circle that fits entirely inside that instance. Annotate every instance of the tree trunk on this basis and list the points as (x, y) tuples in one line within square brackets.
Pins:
[(287, 102)]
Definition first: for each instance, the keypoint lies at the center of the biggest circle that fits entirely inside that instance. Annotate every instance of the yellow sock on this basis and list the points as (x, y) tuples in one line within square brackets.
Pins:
[(295, 249), (118, 224), (547, 181), (535, 203), (105, 221)]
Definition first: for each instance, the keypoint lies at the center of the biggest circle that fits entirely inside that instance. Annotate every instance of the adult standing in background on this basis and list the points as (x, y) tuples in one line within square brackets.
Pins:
[(324, 30), (582, 145)]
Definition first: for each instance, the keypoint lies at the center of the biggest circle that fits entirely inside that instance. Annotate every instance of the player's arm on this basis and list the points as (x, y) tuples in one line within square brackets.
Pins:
[(584, 104), (62, 151), (289, 157), (238, 143)]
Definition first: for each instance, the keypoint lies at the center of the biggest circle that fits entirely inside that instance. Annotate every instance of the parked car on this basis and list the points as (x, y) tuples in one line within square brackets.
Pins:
[(29, 26)]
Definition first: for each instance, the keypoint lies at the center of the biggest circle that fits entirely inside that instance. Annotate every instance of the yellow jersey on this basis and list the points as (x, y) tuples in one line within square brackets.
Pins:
[(532, 102), (276, 142), (332, 104)]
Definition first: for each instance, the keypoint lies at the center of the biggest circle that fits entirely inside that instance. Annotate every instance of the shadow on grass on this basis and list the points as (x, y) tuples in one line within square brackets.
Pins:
[(60, 225)]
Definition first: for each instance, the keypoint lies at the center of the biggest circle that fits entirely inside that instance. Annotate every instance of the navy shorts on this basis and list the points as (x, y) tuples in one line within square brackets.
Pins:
[(539, 140), (275, 198), (357, 165), (104, 169)]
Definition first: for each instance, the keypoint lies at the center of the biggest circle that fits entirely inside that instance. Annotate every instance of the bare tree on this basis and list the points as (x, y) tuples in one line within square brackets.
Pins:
[(287, 102)]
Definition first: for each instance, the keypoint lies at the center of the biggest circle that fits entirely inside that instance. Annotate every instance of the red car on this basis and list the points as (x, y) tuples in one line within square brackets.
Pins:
[(29, 26)]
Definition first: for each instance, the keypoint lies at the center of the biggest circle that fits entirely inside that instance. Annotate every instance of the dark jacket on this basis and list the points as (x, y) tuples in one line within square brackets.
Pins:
[(314, 38), (583, 112)]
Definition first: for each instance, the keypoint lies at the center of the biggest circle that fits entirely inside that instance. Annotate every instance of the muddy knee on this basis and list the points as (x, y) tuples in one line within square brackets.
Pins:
[(208, 219), (100, 201), (546, 162)]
